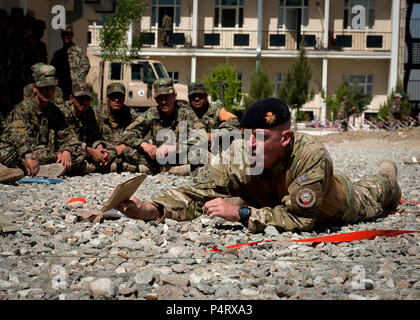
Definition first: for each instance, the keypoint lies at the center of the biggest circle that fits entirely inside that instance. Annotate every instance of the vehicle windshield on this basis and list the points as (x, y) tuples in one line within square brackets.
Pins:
[(160, 70)]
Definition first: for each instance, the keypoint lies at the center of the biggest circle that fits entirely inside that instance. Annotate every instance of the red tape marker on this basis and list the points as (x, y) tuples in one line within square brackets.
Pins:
[(76, 199), (410, 202), (343, 237)]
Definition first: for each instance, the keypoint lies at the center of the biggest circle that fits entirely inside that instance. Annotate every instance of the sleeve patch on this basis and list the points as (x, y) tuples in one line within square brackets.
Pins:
[(305, 198)]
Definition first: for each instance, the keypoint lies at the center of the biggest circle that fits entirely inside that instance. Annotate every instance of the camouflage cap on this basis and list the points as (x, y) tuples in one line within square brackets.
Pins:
[(163, 86), (82, 89), (67, 28), (196, 87), (44, 75), (115, 87)]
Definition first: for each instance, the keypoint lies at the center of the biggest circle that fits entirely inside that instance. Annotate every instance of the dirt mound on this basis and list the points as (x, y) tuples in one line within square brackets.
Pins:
[(411, 134)]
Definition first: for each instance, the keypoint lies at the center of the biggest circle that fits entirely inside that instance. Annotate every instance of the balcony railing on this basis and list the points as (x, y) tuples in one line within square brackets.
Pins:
[(270, 40)]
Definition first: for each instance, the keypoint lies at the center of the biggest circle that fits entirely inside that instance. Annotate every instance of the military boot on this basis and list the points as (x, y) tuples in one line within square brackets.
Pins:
[(144, 169), (129, 167), (389, 168), (10, 174), (183, 170), (52, 170)]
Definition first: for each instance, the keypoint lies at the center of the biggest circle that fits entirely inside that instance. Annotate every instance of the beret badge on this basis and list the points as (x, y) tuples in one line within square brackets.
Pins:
[(270, 118)]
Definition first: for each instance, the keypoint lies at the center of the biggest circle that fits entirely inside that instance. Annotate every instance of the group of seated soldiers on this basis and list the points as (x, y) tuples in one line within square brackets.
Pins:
[(45, 136)]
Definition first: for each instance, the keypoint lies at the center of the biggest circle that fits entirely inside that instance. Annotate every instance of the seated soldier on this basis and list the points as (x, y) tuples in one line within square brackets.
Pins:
[(113, 117), (142, 134), (209, 114), (36, 132), (81, 120), (296, 188)]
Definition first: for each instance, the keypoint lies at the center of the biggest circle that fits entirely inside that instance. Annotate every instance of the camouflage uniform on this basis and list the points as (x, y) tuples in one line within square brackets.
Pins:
[(395, 109), (342, 115), (215, 117), (72, 64), (84, 127), (166, 30), (41, 131), (146, 127), (300, 190), (111, 127)]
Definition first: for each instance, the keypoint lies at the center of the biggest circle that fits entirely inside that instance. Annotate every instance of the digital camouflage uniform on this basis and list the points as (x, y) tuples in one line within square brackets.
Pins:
[(215, 117), (342, 115), (112, 125), (166, 29), (146, 127), (72, 64), (395, 109), (41, 131), (84, 127)]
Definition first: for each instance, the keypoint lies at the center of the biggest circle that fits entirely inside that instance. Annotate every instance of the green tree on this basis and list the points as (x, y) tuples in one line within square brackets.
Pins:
[(295, 88), (261, 87), (358, 100), (405, 103), (113, 36), (227, 75)]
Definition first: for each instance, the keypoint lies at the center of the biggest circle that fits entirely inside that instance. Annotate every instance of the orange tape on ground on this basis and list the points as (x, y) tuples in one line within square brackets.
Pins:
[(76, 199), (343, 237)]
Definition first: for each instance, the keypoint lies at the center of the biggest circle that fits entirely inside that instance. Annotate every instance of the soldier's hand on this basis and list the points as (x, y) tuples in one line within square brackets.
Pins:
[(120, 149), (136, 209), (150, 149), (31, 167), (96, 155), (221, 208), (164, 150), (65, 159)]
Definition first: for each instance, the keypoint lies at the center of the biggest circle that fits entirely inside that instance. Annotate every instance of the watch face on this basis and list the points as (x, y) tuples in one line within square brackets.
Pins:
[(244, 212)]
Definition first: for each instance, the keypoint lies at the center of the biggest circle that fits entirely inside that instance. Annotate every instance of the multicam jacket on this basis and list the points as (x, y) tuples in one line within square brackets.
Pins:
[(300, 190), (42, 131)]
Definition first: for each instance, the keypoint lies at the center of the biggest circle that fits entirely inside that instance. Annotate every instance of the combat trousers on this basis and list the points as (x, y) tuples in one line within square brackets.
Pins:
[(369, 197)]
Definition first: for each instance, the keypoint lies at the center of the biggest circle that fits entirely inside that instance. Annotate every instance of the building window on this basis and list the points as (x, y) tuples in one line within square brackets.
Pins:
[(279, 80), (116, 71), (293, 14), (369, 10), (363, 82), (172, 7), (174, 75), (228, 13)]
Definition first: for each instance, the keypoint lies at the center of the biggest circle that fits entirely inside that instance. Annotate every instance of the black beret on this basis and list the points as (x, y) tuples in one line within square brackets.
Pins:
[(266, 113)]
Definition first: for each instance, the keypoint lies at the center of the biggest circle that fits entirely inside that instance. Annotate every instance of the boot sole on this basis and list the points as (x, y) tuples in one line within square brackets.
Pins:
[(53, 170)]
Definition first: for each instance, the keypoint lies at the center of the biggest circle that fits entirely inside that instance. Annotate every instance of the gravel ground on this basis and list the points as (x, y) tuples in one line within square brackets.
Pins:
[(55, 256)]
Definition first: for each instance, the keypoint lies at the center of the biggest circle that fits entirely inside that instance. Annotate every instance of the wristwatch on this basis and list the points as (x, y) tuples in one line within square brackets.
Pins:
[(244, 214)]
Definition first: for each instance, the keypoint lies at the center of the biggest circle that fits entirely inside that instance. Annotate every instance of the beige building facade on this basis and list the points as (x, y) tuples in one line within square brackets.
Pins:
[(366, 45), (207, 33)]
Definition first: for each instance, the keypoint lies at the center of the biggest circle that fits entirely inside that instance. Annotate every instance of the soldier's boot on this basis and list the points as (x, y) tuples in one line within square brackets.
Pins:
[(113, 167), (183, 170), (10, 174), (129, 167), (411, 160), (87, 168), (144, 169), (52, 170), (389, 168)]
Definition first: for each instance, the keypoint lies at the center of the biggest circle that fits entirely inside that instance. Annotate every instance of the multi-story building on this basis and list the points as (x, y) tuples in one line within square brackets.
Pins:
[(247, 32)]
